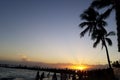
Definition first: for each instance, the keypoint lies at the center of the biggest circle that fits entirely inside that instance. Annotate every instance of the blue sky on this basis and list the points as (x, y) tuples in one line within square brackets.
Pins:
[(47, 31)]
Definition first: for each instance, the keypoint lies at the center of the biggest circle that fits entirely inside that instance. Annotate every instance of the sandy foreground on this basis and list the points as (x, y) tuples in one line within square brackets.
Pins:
[(117, 72)]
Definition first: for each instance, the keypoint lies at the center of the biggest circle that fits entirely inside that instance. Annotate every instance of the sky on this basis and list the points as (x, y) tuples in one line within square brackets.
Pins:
[(47, 31)]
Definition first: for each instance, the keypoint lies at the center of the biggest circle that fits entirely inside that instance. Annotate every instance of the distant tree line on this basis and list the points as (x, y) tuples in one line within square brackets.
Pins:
[(116, 64)]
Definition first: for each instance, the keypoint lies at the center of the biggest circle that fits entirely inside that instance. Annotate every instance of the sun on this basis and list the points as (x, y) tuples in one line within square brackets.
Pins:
[(79, 67)]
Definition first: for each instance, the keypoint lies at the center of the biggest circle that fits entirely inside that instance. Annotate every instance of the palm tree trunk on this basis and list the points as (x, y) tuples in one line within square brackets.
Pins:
[(117, 9), (108, 58)]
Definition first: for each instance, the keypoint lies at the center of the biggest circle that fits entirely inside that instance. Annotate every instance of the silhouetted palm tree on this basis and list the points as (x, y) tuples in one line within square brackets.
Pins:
[(110, 5), (92, 21), (101, 35)]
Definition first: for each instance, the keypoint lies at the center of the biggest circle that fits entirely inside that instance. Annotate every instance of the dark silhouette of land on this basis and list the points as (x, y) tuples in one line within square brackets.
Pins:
[(65, 74)]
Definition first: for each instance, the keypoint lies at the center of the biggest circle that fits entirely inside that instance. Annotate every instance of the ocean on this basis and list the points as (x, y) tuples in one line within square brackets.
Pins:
[(23, 74)]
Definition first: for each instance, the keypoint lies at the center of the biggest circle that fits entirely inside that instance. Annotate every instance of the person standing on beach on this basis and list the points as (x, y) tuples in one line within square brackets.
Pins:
[(42, 76), (37, 76), (54, 77)]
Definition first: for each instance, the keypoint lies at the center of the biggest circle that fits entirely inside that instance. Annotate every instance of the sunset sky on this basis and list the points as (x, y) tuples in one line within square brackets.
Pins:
[(47, 31)]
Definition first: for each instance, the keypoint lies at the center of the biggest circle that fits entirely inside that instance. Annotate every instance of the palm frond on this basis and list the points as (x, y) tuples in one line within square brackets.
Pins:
[(84, 16), (104, 23), (103, 44), (93, 37), (84, 24), (106, 14), (103, 31), (100, 3), (101, 23), (96, 43), (89, 14), (112, 33), (109, 41), (84, 31), (94, 34), (90, 29)]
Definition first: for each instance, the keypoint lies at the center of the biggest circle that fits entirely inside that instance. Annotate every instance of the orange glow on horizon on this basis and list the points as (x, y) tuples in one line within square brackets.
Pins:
[(79, 67)]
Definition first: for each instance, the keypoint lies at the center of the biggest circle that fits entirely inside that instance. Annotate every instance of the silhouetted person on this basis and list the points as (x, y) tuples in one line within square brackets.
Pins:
[(37, 76), (54, 77), (64, 76), (48, 75), (42, 76), (74, 77)]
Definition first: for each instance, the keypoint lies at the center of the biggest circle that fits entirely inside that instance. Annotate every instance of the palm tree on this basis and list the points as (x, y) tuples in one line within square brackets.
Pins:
[(94, 24), (101, 35), (92, 21), (110, 5)]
